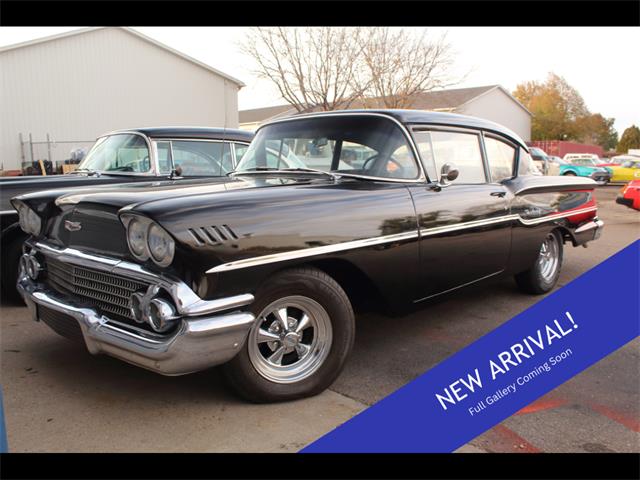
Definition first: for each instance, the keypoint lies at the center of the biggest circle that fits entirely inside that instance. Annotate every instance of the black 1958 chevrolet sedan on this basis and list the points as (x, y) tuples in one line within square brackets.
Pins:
[(260, 271), (124, 156)]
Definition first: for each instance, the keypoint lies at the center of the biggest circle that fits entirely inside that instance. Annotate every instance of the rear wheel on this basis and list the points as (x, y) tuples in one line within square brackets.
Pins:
[(570, 174), (303, 333), (544, 273)]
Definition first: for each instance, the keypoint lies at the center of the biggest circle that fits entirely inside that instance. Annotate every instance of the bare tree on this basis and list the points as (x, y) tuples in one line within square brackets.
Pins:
[(399, 64), (311, 67)]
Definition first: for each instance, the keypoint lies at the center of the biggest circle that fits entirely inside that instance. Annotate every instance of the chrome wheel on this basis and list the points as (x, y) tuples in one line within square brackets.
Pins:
[(290, 339), (549, 258)]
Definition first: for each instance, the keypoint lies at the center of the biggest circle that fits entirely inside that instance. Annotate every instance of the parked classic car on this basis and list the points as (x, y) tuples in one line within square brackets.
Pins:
[(586, 167), (261, 271), (627, 171), (122, 157), (630, 195), (544, 162)]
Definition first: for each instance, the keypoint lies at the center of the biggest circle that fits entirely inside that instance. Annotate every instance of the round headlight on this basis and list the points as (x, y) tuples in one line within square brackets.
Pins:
[(137, 238), (161, 245)]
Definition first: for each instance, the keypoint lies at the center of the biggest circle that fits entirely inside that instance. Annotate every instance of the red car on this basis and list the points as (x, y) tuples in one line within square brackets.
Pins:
[(630, 195)]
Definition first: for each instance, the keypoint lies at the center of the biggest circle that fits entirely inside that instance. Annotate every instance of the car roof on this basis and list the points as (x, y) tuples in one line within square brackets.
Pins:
[(415, 117), (192, 132)]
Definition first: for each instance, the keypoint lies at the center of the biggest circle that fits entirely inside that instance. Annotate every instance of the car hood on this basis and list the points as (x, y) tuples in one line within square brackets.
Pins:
[(13, 186), (132, 195)]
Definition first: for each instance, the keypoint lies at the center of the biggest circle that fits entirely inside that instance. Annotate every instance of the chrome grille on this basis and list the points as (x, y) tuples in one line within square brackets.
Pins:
[(109, 292)]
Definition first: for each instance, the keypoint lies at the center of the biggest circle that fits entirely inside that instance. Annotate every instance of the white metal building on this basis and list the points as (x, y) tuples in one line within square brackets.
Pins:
[(78, 85)]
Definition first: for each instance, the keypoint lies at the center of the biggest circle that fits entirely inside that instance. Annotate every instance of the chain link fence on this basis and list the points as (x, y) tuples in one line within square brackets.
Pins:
[(49, 156)]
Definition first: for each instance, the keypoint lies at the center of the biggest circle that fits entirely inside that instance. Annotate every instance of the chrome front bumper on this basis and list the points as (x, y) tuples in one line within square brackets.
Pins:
[(210, 332)]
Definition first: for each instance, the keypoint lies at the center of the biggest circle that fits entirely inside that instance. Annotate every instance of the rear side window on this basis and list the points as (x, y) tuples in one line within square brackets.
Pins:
[(501, 157), (463, 151)]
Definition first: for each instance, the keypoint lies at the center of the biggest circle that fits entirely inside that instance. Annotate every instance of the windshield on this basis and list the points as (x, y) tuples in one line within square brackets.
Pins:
[(585, 162), (350, 144), (118, 153)]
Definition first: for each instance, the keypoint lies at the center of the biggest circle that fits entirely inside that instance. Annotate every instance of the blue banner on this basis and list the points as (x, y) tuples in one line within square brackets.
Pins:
[(4, 448), (505, 370)]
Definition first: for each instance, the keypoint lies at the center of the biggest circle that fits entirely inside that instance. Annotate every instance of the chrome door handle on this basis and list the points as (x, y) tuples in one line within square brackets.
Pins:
[(498, 194)]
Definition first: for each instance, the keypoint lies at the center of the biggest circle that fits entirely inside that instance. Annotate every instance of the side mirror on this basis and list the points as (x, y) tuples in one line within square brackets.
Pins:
[(176, 172), (448, 173)]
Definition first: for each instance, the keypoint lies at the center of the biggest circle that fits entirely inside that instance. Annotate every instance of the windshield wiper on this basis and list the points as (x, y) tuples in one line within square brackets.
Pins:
[(312, 170), (283, 170), (88, 171)]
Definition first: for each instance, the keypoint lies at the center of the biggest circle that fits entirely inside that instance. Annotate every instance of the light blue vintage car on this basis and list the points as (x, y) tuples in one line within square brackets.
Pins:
[(586, 167)]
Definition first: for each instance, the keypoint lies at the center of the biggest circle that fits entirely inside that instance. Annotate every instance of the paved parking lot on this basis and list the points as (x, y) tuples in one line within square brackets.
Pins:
[(58, 398)]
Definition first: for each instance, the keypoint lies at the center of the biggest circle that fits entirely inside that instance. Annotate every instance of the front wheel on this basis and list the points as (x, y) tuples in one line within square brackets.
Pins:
[(544, 273), (570, 174), (298, 345)]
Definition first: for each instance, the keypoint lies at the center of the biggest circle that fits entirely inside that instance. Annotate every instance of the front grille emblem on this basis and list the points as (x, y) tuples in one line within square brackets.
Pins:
[(72, 226)]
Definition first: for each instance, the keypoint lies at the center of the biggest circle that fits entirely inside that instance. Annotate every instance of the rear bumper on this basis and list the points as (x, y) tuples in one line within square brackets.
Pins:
[(209, 333), (601, 178), (589, 231)]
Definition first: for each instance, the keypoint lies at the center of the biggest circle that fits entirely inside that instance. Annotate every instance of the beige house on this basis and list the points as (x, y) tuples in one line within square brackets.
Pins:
[(75, 86), (491, 102)]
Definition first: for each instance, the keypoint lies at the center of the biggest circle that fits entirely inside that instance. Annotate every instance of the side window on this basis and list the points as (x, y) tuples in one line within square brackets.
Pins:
[(500, 156), (423, 142), (164, 156), (200, 158), (461, 150), (240, 149)]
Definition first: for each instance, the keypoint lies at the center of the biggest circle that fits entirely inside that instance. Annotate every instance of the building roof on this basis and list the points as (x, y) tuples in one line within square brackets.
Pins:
[(193, 132), (447, 100), (131, 31), (422, 117), (257, 115)]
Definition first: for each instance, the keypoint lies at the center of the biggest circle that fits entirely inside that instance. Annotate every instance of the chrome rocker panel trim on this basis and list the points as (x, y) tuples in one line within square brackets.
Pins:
[(367, 242)]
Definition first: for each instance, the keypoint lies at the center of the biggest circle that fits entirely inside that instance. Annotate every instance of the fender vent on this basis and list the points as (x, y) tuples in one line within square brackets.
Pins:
[(214, 235)]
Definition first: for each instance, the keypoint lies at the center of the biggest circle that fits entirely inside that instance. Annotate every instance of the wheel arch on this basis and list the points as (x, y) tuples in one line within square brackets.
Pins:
[(362, 291)]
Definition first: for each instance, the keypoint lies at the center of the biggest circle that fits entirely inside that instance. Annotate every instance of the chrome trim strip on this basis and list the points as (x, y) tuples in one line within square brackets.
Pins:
[(555, 216), (459, 286), (338, 247), (423, 174), (307, 252), (7, 212), (186, 300), (590, 226), (462, 226)]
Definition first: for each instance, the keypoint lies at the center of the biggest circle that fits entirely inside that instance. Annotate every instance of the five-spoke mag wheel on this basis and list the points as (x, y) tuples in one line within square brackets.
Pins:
[(290, 340)]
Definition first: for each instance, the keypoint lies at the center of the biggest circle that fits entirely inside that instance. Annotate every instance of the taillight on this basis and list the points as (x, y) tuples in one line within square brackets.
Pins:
[(591, 207)]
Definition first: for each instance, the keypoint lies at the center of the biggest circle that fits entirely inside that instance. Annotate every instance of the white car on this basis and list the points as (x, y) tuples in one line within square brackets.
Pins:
[(569, 157)]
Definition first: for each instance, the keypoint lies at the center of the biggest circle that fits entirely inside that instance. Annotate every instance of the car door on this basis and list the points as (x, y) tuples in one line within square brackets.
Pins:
[(465, 232), (628, 171)]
